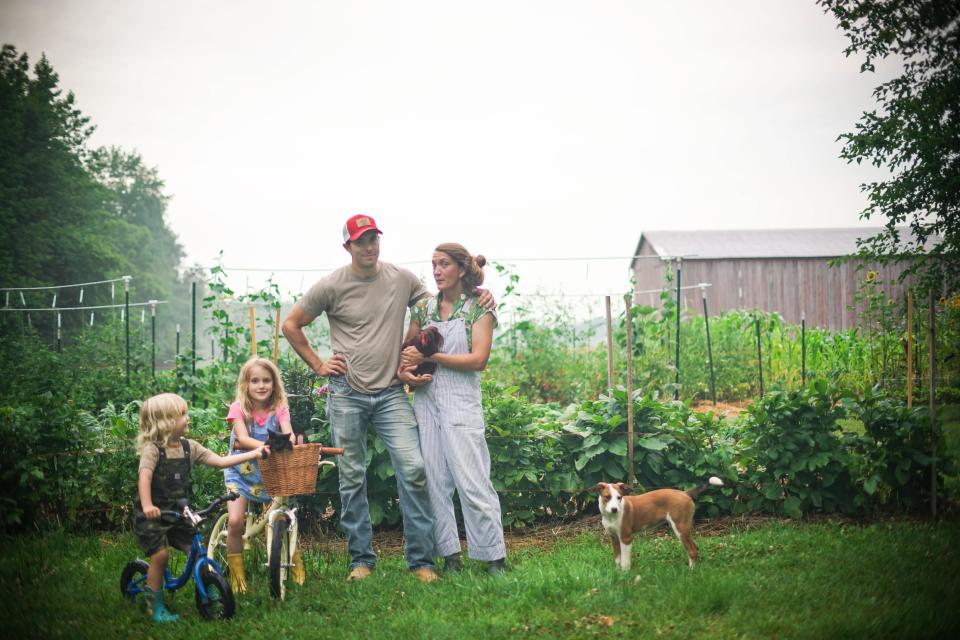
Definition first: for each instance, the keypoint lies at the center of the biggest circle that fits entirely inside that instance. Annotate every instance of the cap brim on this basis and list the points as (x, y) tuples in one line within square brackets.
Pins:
[(360, 232)]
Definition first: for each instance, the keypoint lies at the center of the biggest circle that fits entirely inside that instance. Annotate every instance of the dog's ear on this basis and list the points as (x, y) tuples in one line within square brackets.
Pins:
[(625, 489), (597, 488)]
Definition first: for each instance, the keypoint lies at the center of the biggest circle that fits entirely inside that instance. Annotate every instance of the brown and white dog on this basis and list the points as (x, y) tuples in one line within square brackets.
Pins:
[(624, 514)]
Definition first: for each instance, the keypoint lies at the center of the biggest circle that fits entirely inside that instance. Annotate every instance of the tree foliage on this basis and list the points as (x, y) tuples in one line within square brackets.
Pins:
[(71, 214), (914, 132)]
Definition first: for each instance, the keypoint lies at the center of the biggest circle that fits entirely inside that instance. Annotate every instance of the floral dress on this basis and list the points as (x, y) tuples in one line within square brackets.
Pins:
[(245, 477)]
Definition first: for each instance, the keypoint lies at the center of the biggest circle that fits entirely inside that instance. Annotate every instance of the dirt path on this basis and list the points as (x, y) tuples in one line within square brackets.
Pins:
[(542, 536)]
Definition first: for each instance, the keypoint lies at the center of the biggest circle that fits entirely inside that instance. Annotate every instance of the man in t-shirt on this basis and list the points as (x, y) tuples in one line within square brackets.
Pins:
[(366, 303)]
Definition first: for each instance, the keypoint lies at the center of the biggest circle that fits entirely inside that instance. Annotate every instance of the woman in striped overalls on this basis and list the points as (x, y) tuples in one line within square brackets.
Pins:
[(449, 411)]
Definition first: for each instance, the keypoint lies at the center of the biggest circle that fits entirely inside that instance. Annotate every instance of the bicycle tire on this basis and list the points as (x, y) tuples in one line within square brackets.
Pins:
[(217, 545), (279, 557), (131, 572), (220, 603)]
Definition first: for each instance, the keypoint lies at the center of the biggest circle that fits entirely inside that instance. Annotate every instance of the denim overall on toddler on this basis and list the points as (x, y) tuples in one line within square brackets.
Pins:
[(170, 483)]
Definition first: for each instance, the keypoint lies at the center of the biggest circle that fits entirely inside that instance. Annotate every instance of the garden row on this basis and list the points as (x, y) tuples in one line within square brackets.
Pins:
[(788, 454)]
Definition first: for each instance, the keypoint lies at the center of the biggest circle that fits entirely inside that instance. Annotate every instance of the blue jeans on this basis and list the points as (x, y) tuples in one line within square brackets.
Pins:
[(390, 414)]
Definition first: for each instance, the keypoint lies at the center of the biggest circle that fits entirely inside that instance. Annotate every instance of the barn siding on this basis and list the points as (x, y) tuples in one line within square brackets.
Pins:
[(789, 286)]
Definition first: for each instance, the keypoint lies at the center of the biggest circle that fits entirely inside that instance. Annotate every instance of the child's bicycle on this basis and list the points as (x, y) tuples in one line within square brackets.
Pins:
[(213, 595), (285, 474)]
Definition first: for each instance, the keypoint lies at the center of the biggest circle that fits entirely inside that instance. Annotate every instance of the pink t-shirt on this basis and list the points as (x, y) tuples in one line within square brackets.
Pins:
[(282, 412)]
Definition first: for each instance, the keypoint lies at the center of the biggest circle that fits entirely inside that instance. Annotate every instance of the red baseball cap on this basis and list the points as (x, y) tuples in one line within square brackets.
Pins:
[(357, 226)]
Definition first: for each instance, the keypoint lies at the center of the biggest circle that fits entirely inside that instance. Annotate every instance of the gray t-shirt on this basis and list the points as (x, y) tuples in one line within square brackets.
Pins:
[(366, 320)]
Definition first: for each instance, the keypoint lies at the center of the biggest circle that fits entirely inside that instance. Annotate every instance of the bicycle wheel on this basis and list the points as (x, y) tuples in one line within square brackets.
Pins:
[(280, 562), (217, 547), (134, 572), (220, 604)]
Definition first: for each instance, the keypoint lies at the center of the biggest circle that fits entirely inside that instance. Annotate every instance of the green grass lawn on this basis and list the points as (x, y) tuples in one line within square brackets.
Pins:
[(824, 580)]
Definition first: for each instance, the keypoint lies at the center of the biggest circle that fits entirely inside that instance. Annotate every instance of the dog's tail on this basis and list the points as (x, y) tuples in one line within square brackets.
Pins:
[(714, 481)]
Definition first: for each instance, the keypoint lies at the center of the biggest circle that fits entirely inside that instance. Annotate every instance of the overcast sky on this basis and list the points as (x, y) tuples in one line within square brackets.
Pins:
[(521, 129)]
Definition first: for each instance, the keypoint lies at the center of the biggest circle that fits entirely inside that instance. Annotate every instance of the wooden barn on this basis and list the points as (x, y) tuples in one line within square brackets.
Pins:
[(782, 270)]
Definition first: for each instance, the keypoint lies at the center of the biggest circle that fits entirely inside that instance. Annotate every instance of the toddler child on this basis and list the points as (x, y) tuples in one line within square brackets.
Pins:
[(166, 458)]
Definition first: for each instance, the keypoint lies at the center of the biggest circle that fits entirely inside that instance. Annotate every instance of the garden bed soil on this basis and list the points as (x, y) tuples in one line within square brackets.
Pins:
[(728, 409)]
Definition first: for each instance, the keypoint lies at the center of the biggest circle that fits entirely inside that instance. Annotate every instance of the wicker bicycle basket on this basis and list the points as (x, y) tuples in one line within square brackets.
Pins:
[(291, 473)]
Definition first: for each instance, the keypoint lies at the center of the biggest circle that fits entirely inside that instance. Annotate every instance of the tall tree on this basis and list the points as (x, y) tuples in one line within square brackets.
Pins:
[(69, 214), (914, 132), (136, 205), (49, 203)]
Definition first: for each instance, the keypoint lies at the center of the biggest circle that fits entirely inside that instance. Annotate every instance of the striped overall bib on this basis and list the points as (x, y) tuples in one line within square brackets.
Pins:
[(450, 418)]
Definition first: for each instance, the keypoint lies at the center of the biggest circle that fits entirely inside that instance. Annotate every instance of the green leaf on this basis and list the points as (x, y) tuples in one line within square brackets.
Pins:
[(591, 441), (653, 443), (791, 506), (619, 446), (376, 513)]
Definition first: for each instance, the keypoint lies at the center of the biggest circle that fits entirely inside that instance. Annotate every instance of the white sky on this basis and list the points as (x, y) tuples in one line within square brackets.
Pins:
[(520, 129)]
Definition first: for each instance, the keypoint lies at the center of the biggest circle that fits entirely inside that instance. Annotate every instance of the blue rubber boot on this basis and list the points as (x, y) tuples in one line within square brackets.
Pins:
[(160, 613)]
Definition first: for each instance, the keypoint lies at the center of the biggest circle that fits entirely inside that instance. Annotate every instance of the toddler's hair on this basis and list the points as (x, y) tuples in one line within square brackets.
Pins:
[(158, 417), (278, 397)]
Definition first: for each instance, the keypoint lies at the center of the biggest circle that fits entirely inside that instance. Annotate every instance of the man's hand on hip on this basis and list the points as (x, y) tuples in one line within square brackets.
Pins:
[(335, 366)]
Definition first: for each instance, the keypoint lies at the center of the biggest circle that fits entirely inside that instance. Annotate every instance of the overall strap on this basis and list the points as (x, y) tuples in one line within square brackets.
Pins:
[(162, 451), (431, 309), (186, 452)]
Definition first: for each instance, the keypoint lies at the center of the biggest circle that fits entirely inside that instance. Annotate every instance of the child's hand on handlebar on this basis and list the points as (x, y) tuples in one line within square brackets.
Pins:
[(152, 512)]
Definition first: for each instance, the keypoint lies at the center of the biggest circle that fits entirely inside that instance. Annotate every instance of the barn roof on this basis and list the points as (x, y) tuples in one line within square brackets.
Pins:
[(757, 243)]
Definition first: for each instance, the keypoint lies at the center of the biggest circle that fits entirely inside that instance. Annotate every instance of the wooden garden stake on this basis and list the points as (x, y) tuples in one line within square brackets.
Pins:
[(631, 479), (609, 348), (253, 333), (276, 336), (706, 322)]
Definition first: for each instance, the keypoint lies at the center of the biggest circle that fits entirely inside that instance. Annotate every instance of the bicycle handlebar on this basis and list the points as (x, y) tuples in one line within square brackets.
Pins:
[(197, 516), (331, 451), (227, 497)]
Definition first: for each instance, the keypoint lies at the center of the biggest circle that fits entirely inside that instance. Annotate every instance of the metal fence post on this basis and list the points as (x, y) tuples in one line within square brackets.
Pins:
[(759, 354), (153, 337), (803, 348), (193, 329), (676, 392), (126, 319), (932, 349), (909, 348)]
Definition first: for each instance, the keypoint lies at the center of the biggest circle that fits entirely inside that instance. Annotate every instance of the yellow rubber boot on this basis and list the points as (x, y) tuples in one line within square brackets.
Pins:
[(238, 579), (298, 573)]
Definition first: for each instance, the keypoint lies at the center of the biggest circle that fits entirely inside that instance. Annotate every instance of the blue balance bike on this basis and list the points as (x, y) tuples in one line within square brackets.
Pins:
[(213, 595)]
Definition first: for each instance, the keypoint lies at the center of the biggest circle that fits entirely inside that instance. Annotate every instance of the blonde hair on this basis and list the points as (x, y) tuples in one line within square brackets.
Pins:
[(472, 265), (278, 397), (158, 418)]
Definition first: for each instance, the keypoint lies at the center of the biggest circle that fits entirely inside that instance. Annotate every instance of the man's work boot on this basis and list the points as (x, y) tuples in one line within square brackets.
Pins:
[(359, 572), (425, 574)]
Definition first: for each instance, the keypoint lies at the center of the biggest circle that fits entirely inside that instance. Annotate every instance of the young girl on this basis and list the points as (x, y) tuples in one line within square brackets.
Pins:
[(166, 458), (260, 405)]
